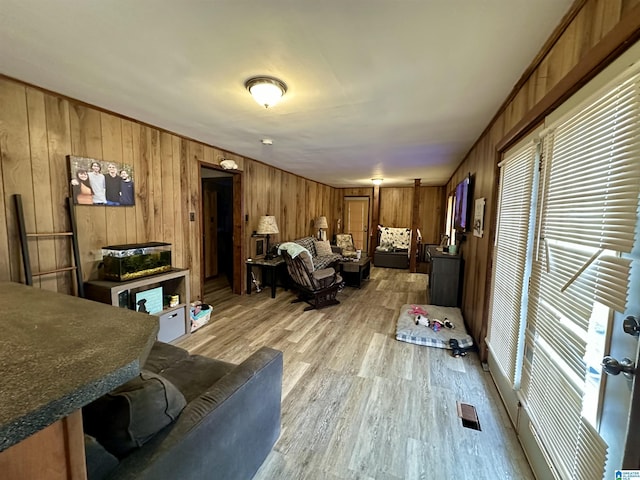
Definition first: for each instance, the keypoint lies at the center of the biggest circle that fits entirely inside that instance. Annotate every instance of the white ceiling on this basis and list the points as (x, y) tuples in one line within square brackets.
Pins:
[(393, 88)]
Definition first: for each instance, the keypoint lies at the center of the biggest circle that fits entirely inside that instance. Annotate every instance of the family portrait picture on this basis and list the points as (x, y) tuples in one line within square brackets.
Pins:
[(96, 182)]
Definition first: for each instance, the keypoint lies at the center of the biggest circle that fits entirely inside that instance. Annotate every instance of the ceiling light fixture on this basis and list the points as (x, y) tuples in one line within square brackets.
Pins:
[(266, 141), (267, 91), (377, 181)]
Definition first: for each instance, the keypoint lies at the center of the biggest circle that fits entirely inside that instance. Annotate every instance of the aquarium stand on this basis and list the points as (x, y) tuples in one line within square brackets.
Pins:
[(174, 320)]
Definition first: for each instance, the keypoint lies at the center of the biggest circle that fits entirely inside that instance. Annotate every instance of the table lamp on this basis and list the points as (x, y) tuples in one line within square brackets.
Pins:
[(321, 223), (267, 226)]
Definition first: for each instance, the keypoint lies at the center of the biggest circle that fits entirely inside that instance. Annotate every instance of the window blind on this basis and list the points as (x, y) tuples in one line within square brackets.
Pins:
[(510, 260), (586, 219)]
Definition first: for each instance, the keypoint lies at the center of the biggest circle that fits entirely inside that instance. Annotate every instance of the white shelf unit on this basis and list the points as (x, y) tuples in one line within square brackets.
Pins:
[(175, 322)]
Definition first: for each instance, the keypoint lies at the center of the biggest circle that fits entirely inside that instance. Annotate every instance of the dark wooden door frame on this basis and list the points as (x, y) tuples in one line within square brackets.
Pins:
[(237, 229)]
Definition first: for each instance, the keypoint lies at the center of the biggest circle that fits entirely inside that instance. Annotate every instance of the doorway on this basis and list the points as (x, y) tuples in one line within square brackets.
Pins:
[(217, 232), (356, 221)]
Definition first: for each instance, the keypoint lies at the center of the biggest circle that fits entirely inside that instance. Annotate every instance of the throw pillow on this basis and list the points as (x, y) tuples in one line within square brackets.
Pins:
[(133, 413), (323, 248)]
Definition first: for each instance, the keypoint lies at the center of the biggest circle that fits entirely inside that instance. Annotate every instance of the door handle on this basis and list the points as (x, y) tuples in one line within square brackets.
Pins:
[(631, 326), (611, 366)]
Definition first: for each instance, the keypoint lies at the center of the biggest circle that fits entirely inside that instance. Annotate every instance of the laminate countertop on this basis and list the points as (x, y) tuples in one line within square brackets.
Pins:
[(59, 353)]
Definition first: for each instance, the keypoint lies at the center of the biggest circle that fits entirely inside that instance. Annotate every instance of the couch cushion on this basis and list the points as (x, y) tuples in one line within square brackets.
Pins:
[(163, 355), (99, 462), (195, 374), (323, 247), (130, 415)]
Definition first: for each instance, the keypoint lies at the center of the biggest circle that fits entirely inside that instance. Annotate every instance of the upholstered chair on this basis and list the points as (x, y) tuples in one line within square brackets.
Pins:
[(344, 241)]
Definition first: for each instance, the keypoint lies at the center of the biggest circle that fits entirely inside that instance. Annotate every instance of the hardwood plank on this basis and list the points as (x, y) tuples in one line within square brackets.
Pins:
[(145, 217), (167, 174), (43, 249), (112, 148), (357, 403), (86, 141), (396, 206), (128, 157), (17, 173), (59, 146)]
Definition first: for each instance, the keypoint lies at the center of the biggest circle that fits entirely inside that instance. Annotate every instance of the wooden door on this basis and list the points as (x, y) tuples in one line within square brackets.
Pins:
[(356, 221)]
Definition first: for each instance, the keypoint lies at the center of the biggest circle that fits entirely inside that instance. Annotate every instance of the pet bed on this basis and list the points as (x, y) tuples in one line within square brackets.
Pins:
[(408, 331)]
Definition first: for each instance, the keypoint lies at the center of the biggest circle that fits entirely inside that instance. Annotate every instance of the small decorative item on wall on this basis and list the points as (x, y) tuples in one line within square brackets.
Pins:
[(96, 182), (258, 246), (478, 218)]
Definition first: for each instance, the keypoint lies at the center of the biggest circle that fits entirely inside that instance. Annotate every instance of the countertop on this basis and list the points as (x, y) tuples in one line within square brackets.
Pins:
[(59, 353)]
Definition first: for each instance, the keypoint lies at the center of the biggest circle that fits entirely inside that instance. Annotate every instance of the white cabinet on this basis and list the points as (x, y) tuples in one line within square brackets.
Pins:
[(174, 321)]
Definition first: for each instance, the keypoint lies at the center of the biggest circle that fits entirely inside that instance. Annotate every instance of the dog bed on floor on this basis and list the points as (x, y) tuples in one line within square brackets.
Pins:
[(408, 331)]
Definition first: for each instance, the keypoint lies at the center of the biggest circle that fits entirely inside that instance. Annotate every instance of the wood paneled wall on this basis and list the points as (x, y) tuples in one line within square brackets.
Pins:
[(593, 20), (38, 129), (431, 212), (396, 205), (295, 201)]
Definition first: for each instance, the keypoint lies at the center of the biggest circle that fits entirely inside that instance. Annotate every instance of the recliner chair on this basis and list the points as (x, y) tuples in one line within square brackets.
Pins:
[(318, 288)]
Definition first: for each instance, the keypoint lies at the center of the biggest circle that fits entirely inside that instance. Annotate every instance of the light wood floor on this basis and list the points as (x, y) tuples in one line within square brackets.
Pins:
[(356, 403)]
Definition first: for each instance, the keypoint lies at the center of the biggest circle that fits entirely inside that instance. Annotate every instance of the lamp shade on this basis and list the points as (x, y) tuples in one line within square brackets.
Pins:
[(321, 222), (267, 225)]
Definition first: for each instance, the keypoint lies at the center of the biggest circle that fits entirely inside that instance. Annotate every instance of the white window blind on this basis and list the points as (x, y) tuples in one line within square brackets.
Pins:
[(510, 260), (586, 218)]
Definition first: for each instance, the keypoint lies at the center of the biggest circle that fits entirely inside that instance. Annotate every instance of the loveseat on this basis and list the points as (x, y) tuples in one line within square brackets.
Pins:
[(393, 247), (329, 257), (187, 417)]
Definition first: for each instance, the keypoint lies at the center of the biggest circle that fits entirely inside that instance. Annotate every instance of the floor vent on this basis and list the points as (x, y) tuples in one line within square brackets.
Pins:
[(469, 416)]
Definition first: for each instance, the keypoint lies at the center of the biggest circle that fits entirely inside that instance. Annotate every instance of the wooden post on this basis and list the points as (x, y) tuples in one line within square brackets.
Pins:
[(414, 226), (375, 218)]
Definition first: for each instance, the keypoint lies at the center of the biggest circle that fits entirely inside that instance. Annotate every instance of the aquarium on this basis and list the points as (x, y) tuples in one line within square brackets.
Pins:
[(136, 260)]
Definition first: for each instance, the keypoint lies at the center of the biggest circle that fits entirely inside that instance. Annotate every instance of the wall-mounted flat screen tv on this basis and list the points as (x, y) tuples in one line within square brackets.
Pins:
[(461, 205)]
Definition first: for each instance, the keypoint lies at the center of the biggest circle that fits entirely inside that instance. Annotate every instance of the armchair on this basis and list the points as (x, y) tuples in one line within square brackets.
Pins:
[(316, 287), (344, 241)]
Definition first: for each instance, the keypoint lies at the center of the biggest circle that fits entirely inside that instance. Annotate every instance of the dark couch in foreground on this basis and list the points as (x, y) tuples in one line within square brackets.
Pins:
[(187, 417)]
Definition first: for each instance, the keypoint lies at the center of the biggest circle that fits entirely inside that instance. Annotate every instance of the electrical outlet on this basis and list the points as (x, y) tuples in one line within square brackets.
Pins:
[(192, 216)]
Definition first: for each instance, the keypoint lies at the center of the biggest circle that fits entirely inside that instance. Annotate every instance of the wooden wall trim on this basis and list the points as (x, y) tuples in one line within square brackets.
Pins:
[(612, 45), (238, 234)]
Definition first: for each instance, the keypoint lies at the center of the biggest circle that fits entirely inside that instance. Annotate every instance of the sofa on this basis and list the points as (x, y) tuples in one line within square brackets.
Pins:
[(393, 247), (188, 417), (323, 255)]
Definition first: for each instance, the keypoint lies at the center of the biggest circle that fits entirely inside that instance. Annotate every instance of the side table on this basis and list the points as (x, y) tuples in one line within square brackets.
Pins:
[(270, 270), (353, 272)]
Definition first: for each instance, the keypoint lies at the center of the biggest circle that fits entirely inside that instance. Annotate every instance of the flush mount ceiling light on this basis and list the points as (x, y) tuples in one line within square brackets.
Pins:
[(377, 181), (267, 91)]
